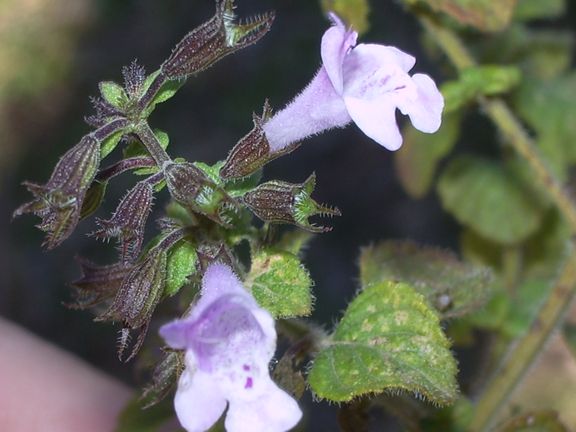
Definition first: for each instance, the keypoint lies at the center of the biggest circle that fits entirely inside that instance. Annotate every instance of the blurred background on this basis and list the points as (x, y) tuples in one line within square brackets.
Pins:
[(53, 53)]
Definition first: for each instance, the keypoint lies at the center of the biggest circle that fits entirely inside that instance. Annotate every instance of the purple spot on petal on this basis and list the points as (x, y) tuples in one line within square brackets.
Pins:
[(249, 383), (246, 367)]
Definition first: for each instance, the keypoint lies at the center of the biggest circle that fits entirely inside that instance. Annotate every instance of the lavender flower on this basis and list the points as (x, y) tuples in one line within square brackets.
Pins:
[(229, 341), (364, 84)]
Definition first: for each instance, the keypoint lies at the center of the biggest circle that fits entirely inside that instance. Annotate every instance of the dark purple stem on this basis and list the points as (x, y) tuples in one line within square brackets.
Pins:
[(146, 135), (152, 91), (108, 129), (125, 165)]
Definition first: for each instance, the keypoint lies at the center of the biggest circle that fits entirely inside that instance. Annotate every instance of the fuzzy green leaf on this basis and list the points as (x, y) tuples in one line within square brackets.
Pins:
[(280, 283), (548, 106), (113, 93), (388, 340), (110, 143), (416, 161), (538, 9), (182, 260), (167, 91), (486, 15), (491, 199), (354, 12), (454, 288), (93, 198)]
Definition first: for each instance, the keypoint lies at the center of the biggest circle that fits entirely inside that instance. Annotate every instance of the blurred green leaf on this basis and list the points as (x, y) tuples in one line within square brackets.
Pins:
[(549, 106), (537, 421), (167, 91), (93, 198), (486, 15), (416, 161), (134, 418), (538, 9), (353, 12), (294, 241), (454, 288), (488, 80), (280, 283), (181, 264), (489, 198), (388, 339)]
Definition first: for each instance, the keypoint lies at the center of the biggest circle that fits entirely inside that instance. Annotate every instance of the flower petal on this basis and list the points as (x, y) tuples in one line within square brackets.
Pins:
[(219, 279), (377, 119), (273, 411), (198, 402), (336, 43), (316, 109), (371, 71), (426, 110)]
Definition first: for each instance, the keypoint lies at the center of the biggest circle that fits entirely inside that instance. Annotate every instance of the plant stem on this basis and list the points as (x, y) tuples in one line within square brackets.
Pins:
[(151, 143), (523, 354)]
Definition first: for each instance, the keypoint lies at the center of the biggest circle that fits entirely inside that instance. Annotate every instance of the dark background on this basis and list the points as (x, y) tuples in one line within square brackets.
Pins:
[(204, 120)]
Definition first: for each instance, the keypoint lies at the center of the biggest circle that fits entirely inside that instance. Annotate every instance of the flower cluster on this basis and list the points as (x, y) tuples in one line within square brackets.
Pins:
[(229, 341)]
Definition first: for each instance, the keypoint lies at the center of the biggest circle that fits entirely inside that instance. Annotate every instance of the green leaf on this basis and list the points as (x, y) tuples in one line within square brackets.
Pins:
[(113, 93), (182, 260), (354, 12), (167, 91), (538, 9), (416, 161), (93, 198), (538, 421), (488, 80), (454, 288), (280, 283), (110, 143), (388, 340), (134, 418), (548, 106), (294, 241), (491, 199), (486, 15)]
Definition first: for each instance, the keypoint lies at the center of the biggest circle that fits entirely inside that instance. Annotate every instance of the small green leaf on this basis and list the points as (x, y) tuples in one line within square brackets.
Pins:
[(548, 106), (167, 91), (486, 15), (538, 421), (110, 143), (354, 12), (113, 93), (280, 283), (182, 260), (416, 161), (294, 241), (93, 198), (388, 340), (488, 80), (538, 9), (134, 418), (454, 288), (491, 199)]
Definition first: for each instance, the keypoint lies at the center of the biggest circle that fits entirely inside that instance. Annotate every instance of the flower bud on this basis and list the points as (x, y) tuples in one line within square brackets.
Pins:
[(252, 152), (59, 201), (98, 283), (191, 188), (216, 38), (127, 222), (281, 202)]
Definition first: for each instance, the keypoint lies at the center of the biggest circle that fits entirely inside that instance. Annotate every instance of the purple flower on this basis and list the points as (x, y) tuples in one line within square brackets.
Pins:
[(364, 84), (229, 341)]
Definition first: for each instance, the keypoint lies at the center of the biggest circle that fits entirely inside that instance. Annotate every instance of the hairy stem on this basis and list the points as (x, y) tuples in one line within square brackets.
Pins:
[(523, 354), (146, 135), (124, 165), (152, 90)]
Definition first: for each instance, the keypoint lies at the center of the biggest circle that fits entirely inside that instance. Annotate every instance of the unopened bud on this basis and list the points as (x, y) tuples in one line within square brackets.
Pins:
[(282, 202), (216, 38), (59, 201), (127, 222), (252, 152)]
